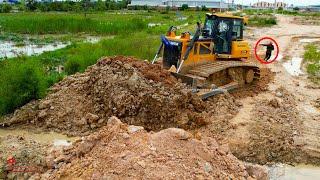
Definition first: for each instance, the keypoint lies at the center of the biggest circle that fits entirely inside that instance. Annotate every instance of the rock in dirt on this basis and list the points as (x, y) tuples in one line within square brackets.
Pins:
[(274, 103), (116, 157), (279, 94), (257, 171)]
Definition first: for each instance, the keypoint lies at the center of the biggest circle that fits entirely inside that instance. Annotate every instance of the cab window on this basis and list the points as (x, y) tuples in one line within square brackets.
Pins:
[(237, 27), (208, 26)]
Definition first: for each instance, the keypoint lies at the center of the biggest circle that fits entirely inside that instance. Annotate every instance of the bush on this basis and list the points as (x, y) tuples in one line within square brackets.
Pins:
[(262, 21), (184, 7), (43, 8), (100, 6), (31, 5), (313, 69), (65, 6), (5, 8), (72, 67), (312, 58), (204, 8), (19, 84)]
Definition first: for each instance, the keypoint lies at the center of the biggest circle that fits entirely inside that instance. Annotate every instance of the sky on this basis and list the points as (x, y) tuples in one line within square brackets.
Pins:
[(294, 2)]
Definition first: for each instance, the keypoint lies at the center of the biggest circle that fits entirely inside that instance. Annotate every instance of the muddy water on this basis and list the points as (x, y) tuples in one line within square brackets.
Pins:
[(286, 172), (9, 49), (51, 138), (310, 40), (293, 66)]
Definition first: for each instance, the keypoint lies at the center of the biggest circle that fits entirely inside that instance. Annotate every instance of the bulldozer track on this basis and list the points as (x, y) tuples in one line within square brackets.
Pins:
[(206, 70)]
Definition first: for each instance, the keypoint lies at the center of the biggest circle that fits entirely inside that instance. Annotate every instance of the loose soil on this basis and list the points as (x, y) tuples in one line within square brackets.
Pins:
[(135, 91), (119, 151)]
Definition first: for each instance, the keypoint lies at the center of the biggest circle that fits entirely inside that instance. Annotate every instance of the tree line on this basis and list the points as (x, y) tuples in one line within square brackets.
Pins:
[(65, 6)]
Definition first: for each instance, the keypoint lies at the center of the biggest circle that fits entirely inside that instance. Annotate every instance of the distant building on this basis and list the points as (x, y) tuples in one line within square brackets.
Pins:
[(266, 5), (212, 4), (314, 8), (9, 1)]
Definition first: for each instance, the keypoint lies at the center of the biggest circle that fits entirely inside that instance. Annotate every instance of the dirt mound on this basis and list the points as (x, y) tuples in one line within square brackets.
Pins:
[(135, 91), (275, 125), (119, 151)]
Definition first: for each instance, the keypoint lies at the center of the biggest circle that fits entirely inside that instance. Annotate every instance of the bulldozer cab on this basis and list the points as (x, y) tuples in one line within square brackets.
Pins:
[(223, 29)]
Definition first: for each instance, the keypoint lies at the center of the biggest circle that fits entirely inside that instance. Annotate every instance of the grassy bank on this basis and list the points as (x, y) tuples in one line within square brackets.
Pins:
[(312, 60), (58, 23), (25, 78), (108, 23)]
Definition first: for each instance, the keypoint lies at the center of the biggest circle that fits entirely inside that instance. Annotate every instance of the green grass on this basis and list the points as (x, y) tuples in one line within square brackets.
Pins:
[(111, 23), (25, 78), (312, 59), (50, 23), (262, 21), (297, 13), (258, 12)]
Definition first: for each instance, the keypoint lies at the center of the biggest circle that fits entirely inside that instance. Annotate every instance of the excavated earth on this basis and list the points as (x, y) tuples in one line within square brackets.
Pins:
[(140, 94), (119, 151), (135, 91)]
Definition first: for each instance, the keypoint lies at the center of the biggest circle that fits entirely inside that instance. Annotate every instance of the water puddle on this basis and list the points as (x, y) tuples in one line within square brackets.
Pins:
[(286, 172), (154, 24), (310, 40), (310, 109), (92, 39), (52, 138), (61, 142), (279, 58), (182, 26), (9, 49), (293, 66)]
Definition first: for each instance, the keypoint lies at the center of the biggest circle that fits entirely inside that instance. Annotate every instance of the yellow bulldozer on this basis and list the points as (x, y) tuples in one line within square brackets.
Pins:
[(214, 60)]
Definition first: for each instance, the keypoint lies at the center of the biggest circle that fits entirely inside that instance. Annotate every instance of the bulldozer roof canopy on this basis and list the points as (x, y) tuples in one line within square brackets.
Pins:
[(224, 15)]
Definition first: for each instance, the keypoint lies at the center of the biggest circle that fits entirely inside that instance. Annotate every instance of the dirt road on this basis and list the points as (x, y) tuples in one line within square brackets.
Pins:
[(281, 124)]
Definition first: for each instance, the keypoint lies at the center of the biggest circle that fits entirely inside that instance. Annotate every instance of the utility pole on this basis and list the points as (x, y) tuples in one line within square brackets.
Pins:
[(220, 5), (275, 6)]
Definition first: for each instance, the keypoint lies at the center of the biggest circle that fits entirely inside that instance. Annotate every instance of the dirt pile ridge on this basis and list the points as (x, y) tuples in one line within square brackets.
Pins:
[(135, 91), (119, 151)]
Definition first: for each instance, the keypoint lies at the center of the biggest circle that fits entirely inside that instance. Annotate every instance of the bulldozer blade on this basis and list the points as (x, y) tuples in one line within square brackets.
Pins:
[(205, 94), (185, 79)]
